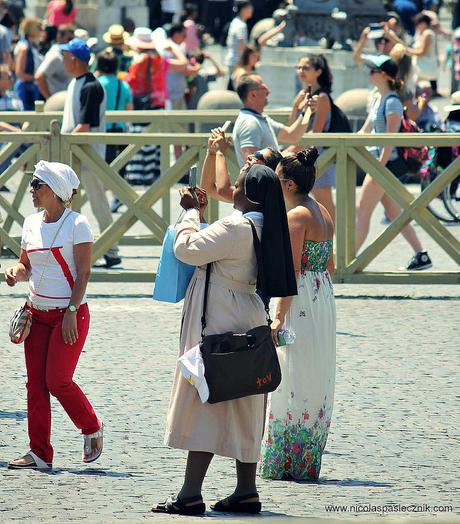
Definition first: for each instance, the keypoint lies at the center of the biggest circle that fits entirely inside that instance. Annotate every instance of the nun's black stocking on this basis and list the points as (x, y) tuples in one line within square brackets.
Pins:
[(246, 475), (195, 471)]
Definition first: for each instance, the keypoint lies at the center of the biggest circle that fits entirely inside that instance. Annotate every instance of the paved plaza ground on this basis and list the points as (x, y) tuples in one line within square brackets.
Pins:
[(394, 438)]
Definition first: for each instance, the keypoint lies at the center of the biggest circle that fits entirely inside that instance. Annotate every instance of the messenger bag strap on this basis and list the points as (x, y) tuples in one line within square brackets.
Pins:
[(261, 278), (117, 102), (117, 98), (205, 299), (35, 291), (149, 73)]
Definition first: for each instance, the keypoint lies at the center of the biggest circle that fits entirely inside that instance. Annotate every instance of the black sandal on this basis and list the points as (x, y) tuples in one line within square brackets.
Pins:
[(189, 506), (238, 504)]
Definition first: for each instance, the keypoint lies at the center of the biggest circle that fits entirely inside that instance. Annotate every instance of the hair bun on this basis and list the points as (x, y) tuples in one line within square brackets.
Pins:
[(308, 156)]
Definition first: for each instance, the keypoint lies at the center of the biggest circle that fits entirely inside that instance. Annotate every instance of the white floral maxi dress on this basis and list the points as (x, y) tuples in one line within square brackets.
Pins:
[(299, 411)]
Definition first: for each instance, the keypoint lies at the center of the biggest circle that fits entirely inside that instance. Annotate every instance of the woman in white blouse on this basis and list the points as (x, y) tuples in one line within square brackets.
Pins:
[(56, 261)]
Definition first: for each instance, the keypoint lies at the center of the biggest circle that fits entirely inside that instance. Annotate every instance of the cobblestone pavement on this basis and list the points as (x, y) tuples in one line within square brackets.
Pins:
[(394, 437)]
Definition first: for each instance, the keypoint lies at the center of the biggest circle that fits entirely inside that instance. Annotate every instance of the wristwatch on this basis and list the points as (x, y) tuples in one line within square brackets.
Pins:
[(72, 308)]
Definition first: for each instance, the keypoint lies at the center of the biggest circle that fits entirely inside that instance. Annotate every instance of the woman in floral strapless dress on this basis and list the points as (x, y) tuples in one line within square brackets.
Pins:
[(299, 411)]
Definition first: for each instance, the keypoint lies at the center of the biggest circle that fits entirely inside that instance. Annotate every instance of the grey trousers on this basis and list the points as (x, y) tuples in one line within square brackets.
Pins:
[(99, 204)]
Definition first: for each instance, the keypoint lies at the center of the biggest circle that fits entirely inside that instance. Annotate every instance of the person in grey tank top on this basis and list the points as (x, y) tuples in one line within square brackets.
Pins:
[(385, 117)]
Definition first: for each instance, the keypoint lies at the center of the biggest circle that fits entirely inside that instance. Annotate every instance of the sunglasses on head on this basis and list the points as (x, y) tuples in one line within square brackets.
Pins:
[(36, 183), (259, 156)]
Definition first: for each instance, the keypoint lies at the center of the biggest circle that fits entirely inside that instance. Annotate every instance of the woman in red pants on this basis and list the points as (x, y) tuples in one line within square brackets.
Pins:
[(56, 261)]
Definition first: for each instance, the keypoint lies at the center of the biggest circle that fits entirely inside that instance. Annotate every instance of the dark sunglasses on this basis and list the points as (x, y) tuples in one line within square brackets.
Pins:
[(259, 156), (36, 183), (303, 68), (374, 70)]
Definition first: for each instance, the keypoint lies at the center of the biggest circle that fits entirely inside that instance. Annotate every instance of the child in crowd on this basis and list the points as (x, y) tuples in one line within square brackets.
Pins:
[(198, 85), (192, 41), (429, 117)]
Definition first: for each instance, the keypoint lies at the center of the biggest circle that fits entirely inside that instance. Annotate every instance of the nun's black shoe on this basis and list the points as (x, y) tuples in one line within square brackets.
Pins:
[(184, 506), (239, 504)]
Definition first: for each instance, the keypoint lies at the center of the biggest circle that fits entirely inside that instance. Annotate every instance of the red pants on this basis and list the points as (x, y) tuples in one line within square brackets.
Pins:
[(50, 366)]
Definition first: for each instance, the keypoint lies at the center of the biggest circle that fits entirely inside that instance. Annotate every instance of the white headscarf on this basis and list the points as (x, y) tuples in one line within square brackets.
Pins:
[(61, 178)]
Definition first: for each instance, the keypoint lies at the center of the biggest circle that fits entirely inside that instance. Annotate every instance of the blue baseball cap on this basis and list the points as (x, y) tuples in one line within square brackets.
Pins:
[(78, 48)]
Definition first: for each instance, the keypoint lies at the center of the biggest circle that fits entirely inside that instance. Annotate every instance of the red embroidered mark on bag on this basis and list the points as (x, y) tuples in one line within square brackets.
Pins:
[(264, 380)]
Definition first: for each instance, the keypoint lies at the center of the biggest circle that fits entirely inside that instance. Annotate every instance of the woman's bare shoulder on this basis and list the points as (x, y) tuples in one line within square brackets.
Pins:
[(316, 218), (324, 101), (20, 46), (328, 222)]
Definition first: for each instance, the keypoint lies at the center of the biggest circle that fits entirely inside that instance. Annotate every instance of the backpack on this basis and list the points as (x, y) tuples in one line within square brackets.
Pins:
[(339, 120), (414, 157)]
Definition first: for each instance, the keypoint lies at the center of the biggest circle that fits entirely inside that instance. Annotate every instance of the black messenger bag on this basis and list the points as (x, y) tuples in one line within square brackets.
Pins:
[(239, 364)]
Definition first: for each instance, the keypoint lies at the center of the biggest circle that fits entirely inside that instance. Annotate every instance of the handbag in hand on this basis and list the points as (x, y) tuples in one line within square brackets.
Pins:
[(240, 364), (21, 321)]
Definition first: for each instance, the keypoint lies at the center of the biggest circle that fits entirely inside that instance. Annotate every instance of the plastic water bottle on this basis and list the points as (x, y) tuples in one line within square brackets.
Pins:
[(286, 337)]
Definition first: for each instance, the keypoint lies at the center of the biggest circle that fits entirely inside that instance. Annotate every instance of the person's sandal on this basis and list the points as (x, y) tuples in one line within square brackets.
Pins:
[(90, 455), (186, 506), (239, 504), (35, 463)]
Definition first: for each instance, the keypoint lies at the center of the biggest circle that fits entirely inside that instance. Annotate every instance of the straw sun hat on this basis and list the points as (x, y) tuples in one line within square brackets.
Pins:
[(115, 35)]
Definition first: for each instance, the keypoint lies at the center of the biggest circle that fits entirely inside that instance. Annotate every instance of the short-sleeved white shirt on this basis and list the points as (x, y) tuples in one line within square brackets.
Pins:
[(237, 31), (58, 267), (53, 69), (253, 129)]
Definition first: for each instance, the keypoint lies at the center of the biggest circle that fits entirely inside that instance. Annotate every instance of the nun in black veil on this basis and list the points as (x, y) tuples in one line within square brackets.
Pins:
[(233, 428)]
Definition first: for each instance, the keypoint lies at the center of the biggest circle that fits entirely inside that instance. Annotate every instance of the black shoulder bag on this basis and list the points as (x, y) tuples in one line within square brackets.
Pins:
[(339, 120), (239, 364)]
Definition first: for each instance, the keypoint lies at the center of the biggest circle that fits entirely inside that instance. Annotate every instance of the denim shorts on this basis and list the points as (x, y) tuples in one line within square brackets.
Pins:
[(327, 179)]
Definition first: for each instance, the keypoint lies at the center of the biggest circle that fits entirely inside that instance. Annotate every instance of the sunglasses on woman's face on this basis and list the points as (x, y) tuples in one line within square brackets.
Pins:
[(36, 183), (374, 70), (304, 68)]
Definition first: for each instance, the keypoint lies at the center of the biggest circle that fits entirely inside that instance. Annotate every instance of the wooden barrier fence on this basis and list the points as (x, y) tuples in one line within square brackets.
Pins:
[(347, 151)]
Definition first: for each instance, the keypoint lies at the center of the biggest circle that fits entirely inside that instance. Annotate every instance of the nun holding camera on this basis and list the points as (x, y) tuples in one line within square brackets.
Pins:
[(231, 428)]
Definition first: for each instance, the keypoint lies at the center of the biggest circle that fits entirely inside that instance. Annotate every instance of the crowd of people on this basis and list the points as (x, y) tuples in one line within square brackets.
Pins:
[(410, 35), (137, 68)]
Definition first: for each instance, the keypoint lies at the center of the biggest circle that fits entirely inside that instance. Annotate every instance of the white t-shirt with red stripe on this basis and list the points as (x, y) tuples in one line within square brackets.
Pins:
[(59, 271)]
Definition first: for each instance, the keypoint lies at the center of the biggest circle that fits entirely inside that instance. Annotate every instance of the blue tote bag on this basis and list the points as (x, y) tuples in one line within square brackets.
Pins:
[(173, 276)]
